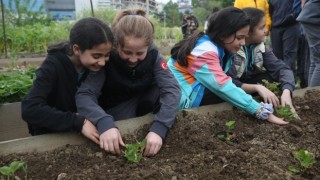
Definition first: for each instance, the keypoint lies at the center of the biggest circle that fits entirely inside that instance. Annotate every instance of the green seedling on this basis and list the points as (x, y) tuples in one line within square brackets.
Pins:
[(9, 171), (306, 160), (229, 136), (133, 152), (285, 112), (274, 87)]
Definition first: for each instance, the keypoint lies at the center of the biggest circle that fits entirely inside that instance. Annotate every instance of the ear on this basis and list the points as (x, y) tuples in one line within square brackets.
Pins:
[(76, 50)]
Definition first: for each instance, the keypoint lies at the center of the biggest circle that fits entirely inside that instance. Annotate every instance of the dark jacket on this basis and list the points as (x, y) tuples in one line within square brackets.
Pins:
[(310, 13), (121, 83), (50, 105), (273, 66), (282, 13)]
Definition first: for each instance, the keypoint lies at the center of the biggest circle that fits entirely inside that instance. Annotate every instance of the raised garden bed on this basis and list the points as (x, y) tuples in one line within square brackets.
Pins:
[(263, 150)]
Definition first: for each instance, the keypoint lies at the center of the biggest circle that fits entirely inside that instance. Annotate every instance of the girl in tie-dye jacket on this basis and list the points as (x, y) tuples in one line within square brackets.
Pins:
[(197, 64)]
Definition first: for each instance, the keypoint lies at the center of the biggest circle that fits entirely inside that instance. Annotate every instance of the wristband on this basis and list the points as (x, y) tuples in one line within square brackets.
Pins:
[(264, 110)]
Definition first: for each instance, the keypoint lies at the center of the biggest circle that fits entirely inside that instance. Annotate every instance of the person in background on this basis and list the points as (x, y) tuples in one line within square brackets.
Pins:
[(284, 31), (255, 62), (50, 105), (197, 63), (260, 4), (214, 9), (310, 21), (136, 81), (184, 26)]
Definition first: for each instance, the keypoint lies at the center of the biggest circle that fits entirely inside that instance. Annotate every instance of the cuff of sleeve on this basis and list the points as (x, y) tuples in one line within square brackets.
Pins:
[(159, 129), (78, 123), (105, 124), (287, 86)]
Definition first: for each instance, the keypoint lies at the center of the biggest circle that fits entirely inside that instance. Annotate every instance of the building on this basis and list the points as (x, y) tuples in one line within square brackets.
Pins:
[(184, 6), (67, 9)]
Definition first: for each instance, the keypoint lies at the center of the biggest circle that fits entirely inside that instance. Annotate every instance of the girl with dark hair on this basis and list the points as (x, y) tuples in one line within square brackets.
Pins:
[(255, 62), (136, 81), (197, 63), (50, 105)]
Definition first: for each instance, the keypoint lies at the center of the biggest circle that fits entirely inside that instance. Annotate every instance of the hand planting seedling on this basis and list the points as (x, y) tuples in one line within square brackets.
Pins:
[(228, 135), (305, 159), (274, 87), (9, 171), (133, 152), (285, 112)]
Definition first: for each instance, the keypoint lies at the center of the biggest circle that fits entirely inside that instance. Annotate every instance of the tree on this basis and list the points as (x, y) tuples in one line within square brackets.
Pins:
[(172, 16)]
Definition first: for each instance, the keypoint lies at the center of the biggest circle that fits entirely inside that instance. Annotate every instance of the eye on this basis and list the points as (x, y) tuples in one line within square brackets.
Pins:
[(96, 56), (140, 53), (240, 37), (127, 52)]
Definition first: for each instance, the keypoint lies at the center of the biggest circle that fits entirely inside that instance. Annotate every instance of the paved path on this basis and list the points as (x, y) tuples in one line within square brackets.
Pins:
[(22, 62)]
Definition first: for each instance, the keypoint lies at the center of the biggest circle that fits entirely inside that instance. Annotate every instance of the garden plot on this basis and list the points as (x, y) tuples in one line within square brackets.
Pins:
[(191, 151)]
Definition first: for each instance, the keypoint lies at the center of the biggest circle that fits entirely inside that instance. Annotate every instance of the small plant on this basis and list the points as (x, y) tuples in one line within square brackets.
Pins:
[(9, 171), (228, 135), (274, 87), (305, 159), (285, 112), (16, 84), (133, 152)]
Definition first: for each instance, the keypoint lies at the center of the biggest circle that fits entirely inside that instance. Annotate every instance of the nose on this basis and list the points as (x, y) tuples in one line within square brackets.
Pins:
[(243, 42), (133, 59), (102, 62)]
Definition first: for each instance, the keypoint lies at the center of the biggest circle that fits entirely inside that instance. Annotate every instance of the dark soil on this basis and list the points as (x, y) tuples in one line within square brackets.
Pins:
[(263, 151)]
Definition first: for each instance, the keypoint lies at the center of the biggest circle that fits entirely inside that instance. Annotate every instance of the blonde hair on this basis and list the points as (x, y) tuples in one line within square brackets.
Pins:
[(134, 23)]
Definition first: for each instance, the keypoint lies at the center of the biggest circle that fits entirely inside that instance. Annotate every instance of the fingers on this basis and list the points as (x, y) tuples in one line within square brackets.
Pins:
[(95, 137), (110, 140), (154, 144), (276, 120)]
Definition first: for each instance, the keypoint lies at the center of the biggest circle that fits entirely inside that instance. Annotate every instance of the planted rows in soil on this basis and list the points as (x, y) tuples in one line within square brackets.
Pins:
[(263, 151)]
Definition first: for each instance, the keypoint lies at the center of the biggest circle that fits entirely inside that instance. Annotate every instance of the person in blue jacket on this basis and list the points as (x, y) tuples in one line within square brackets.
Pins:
[(50, 105), (255, 62), (197, 63), (134, 82), (310, 22)]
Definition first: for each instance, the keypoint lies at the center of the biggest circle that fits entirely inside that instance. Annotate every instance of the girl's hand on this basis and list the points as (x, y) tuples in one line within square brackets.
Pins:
[(286, 99), (154, 144), (90, 131), (110, 141), (268, 96), (276, 120)]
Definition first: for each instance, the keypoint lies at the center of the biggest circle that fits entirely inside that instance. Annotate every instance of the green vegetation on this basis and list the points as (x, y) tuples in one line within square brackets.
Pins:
[(274, 87), (306, 160), (133, 152), (285, 112), (15, 85), (229, 135), (9, 171)]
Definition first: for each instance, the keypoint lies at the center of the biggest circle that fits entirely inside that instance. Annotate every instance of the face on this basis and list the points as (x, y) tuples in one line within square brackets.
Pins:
[(257, 36), (133, 51), (234, 42), (95, 58)]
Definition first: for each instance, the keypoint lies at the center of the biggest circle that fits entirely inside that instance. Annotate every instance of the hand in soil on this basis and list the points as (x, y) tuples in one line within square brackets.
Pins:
[(110, 141), (276, 120), (90, 131), (154, 144)]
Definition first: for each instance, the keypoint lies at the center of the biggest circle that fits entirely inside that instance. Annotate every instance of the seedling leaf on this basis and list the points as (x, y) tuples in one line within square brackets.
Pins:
[(133, 152), (305, 158), (285, 112)]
